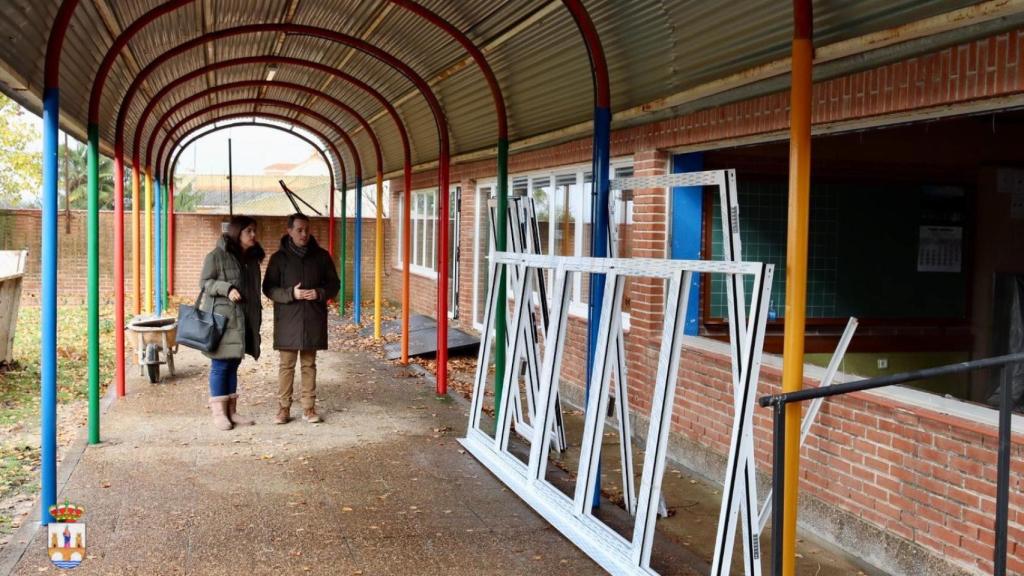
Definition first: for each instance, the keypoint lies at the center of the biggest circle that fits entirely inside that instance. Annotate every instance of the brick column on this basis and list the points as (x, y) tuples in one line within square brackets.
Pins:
[(647, 298)]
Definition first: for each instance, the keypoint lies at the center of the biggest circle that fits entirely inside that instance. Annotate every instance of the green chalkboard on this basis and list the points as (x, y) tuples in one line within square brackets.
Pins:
[(869, 248)]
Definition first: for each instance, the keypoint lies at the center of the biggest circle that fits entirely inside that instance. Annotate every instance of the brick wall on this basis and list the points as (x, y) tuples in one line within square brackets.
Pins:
[(910, 473), (195, 235), (20, 229)]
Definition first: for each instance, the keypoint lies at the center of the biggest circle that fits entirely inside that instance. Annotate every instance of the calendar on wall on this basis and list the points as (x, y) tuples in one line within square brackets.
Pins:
[(940, 248)]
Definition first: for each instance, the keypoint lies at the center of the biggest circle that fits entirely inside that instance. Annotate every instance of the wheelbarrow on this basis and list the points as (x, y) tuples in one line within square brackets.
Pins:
[(155, 338)]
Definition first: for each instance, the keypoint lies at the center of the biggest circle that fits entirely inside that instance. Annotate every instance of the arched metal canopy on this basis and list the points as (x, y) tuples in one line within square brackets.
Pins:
[(654, 49)]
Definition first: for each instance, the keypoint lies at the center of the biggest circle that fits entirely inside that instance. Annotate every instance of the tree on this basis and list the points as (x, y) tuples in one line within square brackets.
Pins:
[(77, 181), (187, 198), (20, 169)]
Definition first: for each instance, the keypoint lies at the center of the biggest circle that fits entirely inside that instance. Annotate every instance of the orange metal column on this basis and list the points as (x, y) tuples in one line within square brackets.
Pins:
[(796, 262)]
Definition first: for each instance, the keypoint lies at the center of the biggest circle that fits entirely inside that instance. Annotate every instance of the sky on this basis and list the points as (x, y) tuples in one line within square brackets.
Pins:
[(252, 149)]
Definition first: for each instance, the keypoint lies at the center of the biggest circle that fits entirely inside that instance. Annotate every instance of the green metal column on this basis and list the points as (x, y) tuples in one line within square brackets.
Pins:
[(94, 283), (166, 217), (501, 320)]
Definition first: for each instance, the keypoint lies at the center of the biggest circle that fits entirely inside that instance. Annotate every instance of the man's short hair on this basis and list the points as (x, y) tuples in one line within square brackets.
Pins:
[(296, 216)]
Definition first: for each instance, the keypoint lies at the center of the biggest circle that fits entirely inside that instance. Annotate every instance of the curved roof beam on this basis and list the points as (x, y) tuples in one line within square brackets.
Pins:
[(172, 132), (255, 83), (199, 72), (440, 120), (443, 161), (107, 64), (330, 169)]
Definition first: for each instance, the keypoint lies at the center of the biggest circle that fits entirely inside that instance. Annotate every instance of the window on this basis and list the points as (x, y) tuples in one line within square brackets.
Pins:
[(423, 232), (481, 251)]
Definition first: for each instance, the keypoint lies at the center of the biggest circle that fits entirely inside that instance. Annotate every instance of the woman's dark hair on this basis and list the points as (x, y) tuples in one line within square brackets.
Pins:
[(234, 233)]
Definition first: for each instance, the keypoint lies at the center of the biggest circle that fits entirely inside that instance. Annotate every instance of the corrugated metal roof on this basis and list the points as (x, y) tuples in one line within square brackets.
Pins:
[(654, 48)]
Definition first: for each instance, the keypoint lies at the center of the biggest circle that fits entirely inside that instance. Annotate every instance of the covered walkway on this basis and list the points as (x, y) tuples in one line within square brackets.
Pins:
[(379, 488), (393, 89)]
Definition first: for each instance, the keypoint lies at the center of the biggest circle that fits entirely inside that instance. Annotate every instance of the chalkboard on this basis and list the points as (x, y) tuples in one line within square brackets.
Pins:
[(869, 247)]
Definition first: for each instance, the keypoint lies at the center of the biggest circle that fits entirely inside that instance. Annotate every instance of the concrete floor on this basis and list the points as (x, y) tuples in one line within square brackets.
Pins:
[(381, 487)]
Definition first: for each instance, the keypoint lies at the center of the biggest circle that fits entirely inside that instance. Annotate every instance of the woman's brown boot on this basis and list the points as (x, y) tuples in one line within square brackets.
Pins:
[(235, 417), (219, 410)]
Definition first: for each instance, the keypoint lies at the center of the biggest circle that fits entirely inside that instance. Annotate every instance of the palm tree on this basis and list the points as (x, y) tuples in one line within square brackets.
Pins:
[(77, 178)]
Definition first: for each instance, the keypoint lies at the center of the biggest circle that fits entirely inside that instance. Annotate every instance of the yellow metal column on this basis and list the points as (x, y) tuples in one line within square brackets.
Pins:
[(148, 299), (796, 262), (136, 243)]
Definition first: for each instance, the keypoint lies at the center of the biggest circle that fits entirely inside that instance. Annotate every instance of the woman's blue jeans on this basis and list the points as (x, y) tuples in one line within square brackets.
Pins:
[(224, 377)]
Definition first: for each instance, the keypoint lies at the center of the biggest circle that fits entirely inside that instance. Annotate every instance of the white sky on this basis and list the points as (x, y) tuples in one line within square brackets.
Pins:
[(253, 148)]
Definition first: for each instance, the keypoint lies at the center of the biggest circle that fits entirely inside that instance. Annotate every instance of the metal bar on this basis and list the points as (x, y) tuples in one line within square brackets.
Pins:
[(331, 223), (812, 412), (901, 378), (231, 190), (342, 274), (158, 252), (796, 257), (148, 237), (646, 267), (119, 363), (163, 242), (93, 234), (170, 236), (779, 485), (357, 255), (290, 197), (48, 314), (136, 241), (1003, 472), (378, 256), (406, 249), (501, 245), (172, 167)]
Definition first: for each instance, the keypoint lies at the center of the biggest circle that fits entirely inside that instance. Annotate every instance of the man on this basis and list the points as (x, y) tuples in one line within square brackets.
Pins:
[(300, 279)]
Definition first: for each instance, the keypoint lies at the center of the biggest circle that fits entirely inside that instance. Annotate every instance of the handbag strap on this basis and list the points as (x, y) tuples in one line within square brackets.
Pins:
[(200, 297)]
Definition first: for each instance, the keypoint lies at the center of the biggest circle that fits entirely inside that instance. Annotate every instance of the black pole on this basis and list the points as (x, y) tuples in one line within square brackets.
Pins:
[(871, 383), (778, 484), (231, 191), (1003, 472)]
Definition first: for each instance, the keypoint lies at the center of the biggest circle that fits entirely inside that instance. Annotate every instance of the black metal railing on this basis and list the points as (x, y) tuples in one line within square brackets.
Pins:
[(778, 403)]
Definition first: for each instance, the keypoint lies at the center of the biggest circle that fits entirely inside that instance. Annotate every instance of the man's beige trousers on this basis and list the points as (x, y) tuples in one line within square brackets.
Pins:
[(286, 375)]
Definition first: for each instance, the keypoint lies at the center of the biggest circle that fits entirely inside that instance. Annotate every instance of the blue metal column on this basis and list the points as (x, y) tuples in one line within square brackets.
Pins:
[(687, 209), (158, 253), (48, 332), (344, 247), (357, 255), (598, 241)]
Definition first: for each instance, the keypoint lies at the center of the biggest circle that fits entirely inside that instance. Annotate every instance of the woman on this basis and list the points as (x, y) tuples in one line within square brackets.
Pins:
[(231, 283)]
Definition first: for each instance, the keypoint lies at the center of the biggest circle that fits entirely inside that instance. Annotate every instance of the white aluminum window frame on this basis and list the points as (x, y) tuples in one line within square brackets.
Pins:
[(480, 261), (422, 253), (577, 307)]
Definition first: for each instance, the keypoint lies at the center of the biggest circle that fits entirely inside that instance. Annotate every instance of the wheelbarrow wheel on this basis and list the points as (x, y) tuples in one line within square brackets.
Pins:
[(153, 363)]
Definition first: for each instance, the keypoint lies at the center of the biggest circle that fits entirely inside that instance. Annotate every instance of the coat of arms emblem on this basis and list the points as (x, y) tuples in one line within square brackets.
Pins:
[(66, 537)]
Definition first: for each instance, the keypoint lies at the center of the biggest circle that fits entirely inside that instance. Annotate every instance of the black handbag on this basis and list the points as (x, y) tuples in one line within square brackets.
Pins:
[(198, 329)]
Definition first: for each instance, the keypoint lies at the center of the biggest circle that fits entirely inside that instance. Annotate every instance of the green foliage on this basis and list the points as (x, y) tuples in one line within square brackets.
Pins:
[(186, 198), (19, 389), (20, 169), (76, 182)]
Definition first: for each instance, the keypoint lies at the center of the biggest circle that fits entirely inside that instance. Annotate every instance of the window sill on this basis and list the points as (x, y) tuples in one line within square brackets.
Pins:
[(417, 271)]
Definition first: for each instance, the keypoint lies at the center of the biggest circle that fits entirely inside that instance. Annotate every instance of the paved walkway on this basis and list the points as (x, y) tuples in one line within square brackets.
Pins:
[(381, 487)]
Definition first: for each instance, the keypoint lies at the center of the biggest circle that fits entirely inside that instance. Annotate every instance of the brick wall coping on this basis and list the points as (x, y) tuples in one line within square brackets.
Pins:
[(950, 411)]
